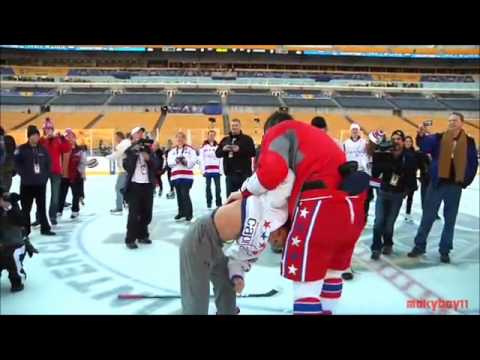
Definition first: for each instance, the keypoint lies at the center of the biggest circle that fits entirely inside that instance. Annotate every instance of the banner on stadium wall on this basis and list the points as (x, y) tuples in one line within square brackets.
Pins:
[(210, 109)]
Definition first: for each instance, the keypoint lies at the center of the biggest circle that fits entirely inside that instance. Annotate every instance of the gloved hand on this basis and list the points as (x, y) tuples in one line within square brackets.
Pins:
[(30, 248)]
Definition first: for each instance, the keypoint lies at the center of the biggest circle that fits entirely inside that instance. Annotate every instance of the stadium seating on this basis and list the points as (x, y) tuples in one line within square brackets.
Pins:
[(462, 104), (8, 120), (63, 120), (139, 99), (126, 121), (384, 122), (252, 100), (181, 99), (81, 99), (406, 95), (194, 126), (249, 125), (309, 102), (363, 102), (338, 125), (417, 104), (24, 100)]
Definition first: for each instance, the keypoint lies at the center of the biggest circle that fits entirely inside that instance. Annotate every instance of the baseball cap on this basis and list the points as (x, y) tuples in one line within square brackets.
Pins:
[(137, 129), (376, 136), (354, 126)]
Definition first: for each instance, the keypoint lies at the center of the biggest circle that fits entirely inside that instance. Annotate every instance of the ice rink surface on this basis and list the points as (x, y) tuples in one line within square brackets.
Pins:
[(85, 267)]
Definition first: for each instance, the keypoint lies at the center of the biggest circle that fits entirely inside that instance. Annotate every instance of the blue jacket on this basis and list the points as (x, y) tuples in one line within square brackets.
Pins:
[(25, 156), (430, 144)]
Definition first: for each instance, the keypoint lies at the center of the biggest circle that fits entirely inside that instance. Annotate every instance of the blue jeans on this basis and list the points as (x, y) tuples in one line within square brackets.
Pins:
[(119, 185), (387, 207), (450, 194), (208, 191)]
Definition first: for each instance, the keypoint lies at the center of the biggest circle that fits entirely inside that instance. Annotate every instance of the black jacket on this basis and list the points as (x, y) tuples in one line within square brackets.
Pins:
[(130, 163), (241, 162), (25, 158), (11, 226), (384, 165)]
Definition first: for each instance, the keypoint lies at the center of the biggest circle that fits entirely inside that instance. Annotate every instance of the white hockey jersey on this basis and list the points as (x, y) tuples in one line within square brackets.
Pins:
[(261, 215), (180, 171), (357, 151), (209, 163)]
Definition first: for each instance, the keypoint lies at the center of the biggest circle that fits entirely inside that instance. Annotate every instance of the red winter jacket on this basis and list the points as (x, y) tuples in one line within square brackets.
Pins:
[(56, 146)]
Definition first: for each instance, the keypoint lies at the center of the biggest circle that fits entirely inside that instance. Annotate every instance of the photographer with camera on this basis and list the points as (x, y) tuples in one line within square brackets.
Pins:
[(453, 168), (237, 151), (13, 246), (396, 168), (7, 159), (181, 159), (141, 166)]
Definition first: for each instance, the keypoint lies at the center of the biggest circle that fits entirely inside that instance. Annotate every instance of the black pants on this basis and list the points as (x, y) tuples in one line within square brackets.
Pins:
[(234, 182), (218, 190), (27, 194), (184, 202), (140, 204), (11, 259), (169, 176), (77, 190), (159, 181), (367, 202), (410, 201)]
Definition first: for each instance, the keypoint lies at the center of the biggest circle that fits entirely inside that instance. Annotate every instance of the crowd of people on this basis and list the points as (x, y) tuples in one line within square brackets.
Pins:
[(270, 191)]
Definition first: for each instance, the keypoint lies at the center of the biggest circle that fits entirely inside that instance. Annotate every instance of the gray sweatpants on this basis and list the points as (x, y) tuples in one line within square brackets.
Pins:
[(201, 261)]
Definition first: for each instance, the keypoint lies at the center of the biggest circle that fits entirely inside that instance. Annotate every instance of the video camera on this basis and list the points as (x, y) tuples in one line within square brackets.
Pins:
[(143, 145)]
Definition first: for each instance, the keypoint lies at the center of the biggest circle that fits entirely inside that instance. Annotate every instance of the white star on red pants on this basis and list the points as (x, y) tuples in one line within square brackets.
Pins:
[(292, 269), (304, 212)]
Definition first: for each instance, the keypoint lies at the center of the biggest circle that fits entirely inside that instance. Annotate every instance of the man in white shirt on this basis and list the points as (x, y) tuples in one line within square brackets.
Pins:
[(118, 155)]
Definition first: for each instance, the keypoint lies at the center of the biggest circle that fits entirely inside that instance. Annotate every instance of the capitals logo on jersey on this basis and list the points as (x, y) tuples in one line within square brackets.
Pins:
[(249, 228)]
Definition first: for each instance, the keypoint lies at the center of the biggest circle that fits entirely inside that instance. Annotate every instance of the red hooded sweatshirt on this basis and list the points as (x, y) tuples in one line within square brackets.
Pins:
[(56, 146)]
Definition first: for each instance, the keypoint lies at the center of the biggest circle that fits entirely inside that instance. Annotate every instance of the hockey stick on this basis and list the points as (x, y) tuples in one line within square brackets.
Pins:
[(166, 297)]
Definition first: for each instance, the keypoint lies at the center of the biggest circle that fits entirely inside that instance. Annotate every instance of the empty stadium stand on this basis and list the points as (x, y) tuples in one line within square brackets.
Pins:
[(24, 100), (405, 95), (417, 104), (151, 99), (252, 100), (338, 125), (81, 99), (126, 121), (9, 120), (363, 102), (249, 125), (461, 104), (181, 99), (194, 126), (385, 122), (309, 102), (63, 120)]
